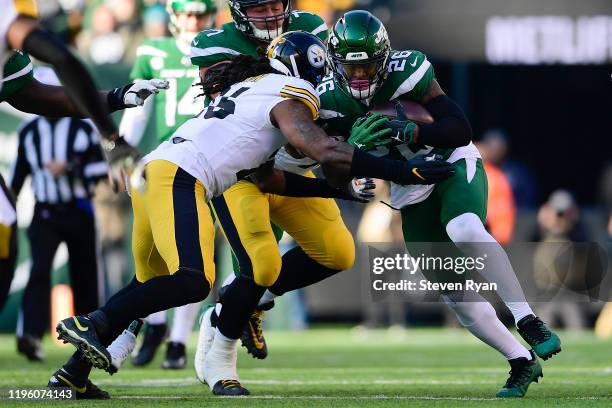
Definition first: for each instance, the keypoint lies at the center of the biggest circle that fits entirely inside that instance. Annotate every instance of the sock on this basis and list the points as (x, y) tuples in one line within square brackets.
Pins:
[(470, 235), (267, 297), (221, 359), (78, 367), (479, 317), (157, 294), (298, 271), (239, 299), (157, 318), (184, 317)]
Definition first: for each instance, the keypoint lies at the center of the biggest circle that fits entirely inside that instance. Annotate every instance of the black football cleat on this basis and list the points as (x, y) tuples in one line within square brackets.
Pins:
[(522, 373), (176, 358), (83, 389), (229, 388), (154, 335), (81, 333), (544, 341), (252, 337), (30, 347)]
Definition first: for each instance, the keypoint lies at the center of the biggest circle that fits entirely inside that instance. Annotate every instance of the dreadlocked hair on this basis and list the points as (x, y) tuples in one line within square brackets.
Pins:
[(220, 77)]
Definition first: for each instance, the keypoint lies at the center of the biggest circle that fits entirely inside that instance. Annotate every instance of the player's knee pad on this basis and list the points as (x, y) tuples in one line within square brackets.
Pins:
[(265, 263), (194, 285), (469, 310), (467, 228)]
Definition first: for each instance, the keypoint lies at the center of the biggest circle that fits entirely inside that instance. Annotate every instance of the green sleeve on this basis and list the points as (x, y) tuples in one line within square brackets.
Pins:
[(310, 22), (423, 75), (17, 73)]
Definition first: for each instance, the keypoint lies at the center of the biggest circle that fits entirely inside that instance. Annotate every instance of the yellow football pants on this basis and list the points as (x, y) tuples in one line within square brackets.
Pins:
[(173, 227), (244, 214)]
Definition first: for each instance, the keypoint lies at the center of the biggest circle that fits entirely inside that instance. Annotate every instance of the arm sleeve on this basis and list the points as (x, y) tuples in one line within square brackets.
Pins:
[(134, 122), (450, 128), (73, 75)]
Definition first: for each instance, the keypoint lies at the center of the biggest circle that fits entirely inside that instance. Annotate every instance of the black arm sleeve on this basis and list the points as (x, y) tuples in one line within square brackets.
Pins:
[(73, 75), (300, 186), (450, 129), (367, 165)]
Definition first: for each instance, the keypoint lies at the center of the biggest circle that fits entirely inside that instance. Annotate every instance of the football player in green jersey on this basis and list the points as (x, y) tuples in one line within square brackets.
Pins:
[(168, 58), (367, 74), (255, 23)]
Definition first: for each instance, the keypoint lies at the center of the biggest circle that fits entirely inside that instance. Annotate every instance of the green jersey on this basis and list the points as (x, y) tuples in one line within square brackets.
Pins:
[(213, 46), (162, 58), (409, 77), (17, 72)]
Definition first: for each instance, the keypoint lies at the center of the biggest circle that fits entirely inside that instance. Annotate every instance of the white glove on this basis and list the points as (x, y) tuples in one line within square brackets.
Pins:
[(140, 90), (362, 189)]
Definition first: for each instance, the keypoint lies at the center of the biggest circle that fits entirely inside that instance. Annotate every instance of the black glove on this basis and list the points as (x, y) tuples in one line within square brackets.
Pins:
[(428, 170), (359, 189), (121, 158)]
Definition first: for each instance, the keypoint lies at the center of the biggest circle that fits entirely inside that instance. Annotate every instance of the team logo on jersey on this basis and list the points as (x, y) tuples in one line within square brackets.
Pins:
[(316, 56)]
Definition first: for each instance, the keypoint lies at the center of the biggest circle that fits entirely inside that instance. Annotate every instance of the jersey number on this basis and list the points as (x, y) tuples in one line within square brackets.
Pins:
[(186, 106), (224, 106)]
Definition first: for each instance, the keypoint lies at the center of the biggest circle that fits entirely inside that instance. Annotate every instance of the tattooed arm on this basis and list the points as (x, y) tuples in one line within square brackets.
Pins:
[(294, 119), (341, 162)]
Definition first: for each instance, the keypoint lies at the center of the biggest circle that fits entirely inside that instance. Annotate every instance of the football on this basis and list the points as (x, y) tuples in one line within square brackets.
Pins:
[(415, 112)]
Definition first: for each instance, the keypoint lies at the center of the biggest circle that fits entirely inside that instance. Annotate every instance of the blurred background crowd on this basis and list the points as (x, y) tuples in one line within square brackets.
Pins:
[(534, 80)]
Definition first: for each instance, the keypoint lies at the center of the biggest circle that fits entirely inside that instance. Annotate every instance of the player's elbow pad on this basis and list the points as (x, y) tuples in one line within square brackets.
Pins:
[(451, 127)]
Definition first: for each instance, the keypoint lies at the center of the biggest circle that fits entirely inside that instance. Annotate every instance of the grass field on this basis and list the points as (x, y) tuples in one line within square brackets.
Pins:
[(338, 367)]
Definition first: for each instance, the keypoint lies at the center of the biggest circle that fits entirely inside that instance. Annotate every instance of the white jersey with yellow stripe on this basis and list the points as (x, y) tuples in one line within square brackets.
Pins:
[(9, 10), (234, 134)]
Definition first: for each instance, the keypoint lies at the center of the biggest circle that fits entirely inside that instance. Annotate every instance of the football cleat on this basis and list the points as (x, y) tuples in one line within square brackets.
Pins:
[(123, 345), (84, 390), (252, 337), (544, 341), (205, 338), (153, 336), (176, 358), (229, 388), (30, 347), (81, 333), (522, 373)]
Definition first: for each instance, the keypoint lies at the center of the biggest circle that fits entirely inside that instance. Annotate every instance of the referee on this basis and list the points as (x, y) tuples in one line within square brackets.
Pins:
[(64, 158)]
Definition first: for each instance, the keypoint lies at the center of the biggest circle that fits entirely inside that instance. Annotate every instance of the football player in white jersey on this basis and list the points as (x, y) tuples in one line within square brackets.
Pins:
[(262, 105)]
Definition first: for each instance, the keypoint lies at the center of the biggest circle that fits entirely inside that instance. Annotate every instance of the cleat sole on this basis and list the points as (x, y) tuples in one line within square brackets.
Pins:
[(93, 355)]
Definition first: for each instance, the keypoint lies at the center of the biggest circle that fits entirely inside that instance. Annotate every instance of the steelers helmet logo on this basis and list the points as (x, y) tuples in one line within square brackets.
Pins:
[(316, 56)]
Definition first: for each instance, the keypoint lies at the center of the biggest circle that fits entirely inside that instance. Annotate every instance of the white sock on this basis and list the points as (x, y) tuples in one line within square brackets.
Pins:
[(182, 325), (218, 307), (221, 360), (267, 297), (157, 318), (468, 232), (478, 316)]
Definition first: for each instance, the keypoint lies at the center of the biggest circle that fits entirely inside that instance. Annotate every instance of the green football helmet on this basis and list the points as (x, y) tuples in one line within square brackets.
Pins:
[(248, 25), (176, 7), (358, 51)]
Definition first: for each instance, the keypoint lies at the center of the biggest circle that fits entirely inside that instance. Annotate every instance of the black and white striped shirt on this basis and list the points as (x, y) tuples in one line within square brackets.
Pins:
[(66, 140)]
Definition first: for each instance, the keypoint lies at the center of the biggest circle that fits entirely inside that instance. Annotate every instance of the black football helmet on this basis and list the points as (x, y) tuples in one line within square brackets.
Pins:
[(298, 54)]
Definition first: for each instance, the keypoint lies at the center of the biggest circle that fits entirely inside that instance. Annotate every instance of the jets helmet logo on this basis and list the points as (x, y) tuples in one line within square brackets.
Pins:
[(316, 56)]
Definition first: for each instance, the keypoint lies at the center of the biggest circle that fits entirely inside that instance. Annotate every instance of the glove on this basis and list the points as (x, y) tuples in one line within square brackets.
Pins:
[(403, 130), (121, 158), (135, 93), (367, 132), (428, 170), (362, 190)]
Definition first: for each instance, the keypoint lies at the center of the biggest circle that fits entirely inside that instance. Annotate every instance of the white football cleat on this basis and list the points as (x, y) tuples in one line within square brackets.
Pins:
[(205, 340)]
